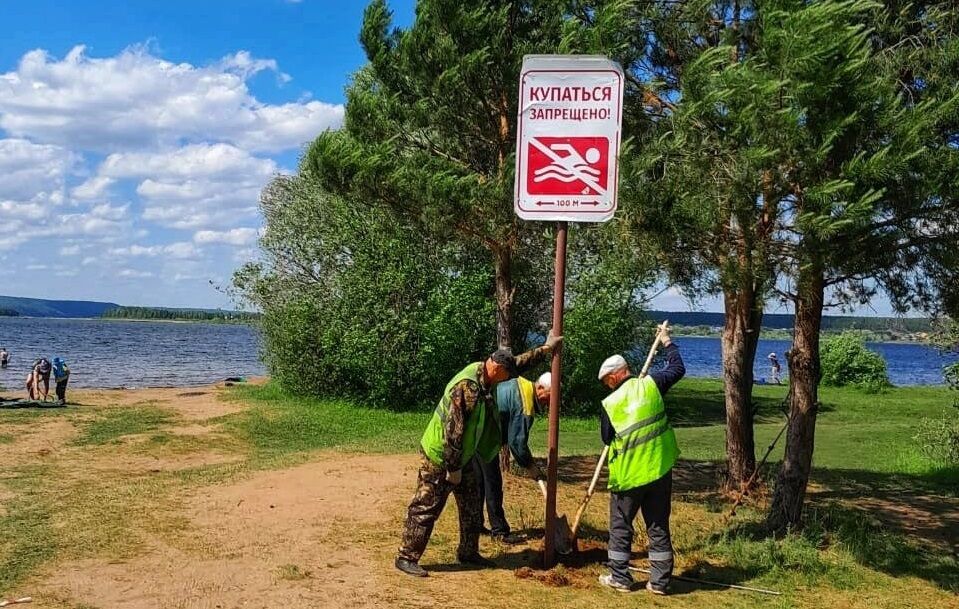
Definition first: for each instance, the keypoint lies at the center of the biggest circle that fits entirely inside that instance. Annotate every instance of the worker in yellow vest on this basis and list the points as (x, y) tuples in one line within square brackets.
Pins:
[(464, 424), (642, 452), (518, 401)]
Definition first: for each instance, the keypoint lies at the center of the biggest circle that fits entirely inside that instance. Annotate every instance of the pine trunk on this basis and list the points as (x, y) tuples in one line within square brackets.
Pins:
[(502, 261), (739, 341), (504, 319), (804, 374)]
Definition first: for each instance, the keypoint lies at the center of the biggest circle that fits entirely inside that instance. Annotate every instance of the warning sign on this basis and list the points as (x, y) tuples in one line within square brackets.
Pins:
[(568, 138)]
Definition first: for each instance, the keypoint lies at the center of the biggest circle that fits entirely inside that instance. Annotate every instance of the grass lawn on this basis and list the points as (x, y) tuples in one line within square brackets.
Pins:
[(856, 433), (864, 454), (882, 520)]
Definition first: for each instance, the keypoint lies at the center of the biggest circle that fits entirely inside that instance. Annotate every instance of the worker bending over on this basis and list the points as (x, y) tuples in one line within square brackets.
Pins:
[(464, 424), (642, 452), (518, 401)]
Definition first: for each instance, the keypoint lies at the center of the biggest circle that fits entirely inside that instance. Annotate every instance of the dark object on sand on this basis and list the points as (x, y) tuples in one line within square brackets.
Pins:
[(18, 403)]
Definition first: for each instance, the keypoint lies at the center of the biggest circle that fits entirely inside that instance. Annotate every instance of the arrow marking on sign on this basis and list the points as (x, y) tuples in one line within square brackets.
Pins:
[(580, 175)]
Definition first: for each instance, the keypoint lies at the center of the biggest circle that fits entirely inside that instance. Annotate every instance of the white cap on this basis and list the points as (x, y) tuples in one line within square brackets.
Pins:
[(612, 364), (771, 355), (545, 380)]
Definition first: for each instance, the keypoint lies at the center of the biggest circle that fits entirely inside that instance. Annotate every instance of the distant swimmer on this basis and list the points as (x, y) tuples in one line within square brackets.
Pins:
[(61, 374), (4, 358)]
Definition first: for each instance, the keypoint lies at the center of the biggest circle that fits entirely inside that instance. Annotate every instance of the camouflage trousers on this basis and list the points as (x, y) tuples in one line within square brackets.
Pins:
[(432, 491)]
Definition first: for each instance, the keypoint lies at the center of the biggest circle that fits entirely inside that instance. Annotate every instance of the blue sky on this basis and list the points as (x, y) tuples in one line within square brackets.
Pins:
[(135, 137)]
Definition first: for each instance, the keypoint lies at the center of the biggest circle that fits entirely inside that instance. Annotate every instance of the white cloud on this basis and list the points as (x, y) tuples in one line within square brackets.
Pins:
[(235, 236), (134, 274), (181, 250), (94, 188), (135, 100), (33, 172), (132, 166), (194, 187)]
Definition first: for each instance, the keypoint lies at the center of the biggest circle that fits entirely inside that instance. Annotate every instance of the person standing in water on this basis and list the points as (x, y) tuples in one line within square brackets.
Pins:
[(4, 358)]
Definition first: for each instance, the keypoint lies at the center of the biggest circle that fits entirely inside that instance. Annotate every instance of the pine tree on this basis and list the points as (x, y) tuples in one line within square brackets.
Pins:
[(430, 126)]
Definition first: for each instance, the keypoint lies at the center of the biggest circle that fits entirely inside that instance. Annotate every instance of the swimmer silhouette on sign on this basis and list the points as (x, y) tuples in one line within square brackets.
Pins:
[(569, 168)]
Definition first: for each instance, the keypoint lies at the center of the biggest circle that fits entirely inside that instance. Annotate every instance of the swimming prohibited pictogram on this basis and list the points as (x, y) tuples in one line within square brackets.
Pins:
[(568, 166)]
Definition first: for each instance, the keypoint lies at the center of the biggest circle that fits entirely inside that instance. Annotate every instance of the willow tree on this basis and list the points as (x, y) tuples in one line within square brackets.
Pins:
[(430, 125)]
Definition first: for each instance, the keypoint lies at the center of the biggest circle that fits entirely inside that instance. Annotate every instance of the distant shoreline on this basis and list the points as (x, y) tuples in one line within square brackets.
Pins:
[(135, 319)]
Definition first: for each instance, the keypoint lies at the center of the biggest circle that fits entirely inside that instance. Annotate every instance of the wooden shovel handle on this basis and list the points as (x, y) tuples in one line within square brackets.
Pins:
[(590, 490)]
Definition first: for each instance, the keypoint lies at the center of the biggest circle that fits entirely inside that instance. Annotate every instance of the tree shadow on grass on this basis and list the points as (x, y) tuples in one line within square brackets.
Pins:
[(701, 407), (688, 476), (889, 523)]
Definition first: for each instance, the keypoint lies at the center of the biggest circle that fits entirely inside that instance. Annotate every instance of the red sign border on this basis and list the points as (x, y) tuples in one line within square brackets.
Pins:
[(519, 139)]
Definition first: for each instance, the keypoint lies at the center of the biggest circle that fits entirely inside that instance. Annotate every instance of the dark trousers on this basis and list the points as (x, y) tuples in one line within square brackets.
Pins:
[(489, 483), (654, 500), (432, 491), (62, 390)]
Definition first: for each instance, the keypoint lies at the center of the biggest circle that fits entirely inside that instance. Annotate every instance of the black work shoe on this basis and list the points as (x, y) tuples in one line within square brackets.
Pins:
[(508, 538), (410, 568), (476, 559), (485, 531)]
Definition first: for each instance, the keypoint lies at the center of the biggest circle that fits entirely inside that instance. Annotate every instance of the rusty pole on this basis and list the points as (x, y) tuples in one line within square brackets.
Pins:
[(559, 292)]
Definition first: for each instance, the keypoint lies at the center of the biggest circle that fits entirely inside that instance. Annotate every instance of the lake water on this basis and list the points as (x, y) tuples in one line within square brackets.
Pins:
[(130, 354), (158, 354), (908, 363)]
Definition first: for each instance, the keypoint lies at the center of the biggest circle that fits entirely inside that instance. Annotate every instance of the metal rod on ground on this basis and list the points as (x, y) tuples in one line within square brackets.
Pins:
[(749, 483), (15, 601), (718, 584), (552, 463)]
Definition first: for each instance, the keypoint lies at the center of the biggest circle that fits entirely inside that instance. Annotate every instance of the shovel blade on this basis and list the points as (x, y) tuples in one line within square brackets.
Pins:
[(564, 535)]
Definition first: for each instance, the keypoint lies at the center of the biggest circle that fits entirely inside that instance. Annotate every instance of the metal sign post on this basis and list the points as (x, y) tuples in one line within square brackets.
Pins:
[(552, 462), (567, 148)]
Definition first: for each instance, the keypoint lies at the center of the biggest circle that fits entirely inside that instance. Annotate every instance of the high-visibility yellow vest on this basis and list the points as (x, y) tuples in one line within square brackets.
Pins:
[(644, 448), (481, 435)]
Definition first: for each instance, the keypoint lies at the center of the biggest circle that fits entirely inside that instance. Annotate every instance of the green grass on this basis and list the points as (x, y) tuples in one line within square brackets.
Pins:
[(27, 538), (6, 438), (119, 422), (857, 434)]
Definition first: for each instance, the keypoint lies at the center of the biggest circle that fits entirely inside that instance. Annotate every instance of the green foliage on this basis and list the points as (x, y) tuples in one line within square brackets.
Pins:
[(938, 439), (946, 337), (165, 314), (603, 317), (429, 134), (357, 303), (847, 361)]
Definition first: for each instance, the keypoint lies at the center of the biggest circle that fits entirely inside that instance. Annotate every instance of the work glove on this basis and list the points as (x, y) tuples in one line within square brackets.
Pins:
[(552, 340), (534, 472), (454, 478), (665, 338)]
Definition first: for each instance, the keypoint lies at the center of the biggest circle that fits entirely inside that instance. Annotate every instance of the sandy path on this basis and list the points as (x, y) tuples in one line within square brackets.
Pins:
[(289, 538)]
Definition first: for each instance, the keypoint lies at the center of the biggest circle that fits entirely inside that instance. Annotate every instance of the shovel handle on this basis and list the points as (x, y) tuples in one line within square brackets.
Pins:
[(663, 327), (590, 490), (542, 487)]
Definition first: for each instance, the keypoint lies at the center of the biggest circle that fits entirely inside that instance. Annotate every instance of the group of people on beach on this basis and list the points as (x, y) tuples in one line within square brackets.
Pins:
[(38, 380)]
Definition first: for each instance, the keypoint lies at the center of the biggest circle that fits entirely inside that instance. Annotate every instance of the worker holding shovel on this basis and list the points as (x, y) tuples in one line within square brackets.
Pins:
[(464, 424), (518, 401), (642, 452)]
